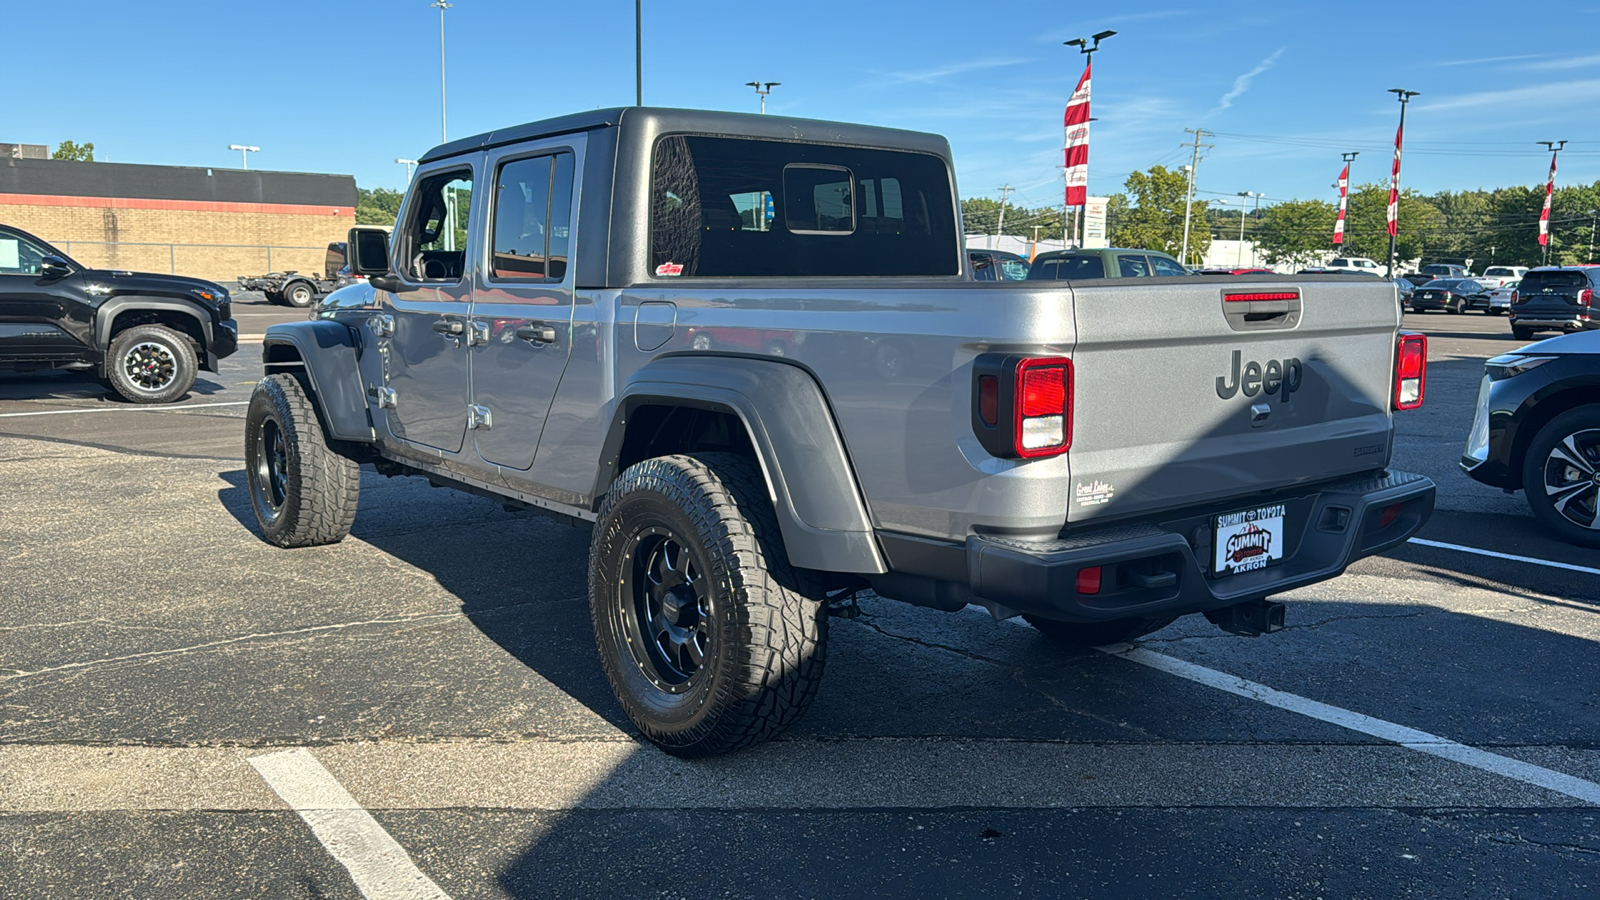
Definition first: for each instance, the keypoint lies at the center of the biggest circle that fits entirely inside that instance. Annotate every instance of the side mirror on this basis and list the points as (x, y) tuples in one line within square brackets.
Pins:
[(369, 251), (54, 267)]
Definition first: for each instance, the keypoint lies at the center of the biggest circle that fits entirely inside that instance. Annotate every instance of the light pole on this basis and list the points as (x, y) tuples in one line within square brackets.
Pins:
[(1244, 200), (638, 52), (442, 6), (1554, 147), (1394, 177), (1087, 49), (1593, 213), (408, 163), (244, 153), (763, 88)]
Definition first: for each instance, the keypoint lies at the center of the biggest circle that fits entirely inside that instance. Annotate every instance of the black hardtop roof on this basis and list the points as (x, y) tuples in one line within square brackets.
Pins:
[(658, 120)]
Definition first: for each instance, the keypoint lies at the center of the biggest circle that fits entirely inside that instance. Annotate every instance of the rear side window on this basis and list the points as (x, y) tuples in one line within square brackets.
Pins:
[(1066, 267), (1165, 267), (1565, 283), (730, 207), (532, 218), (1133, 267)]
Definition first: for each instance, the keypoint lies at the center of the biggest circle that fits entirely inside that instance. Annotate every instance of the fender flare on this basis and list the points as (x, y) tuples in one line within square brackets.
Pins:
[(821, 511), (328, 353), (106, 315)]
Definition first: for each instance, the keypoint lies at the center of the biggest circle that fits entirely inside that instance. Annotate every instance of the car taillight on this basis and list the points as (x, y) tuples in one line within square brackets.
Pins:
[(1410, 371), (1514, 297), (1586, 297), (1022, 408)]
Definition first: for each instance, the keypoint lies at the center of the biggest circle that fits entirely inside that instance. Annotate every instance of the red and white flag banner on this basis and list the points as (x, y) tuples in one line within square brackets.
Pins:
[(1544, 214), (1394, 186), (1344, 203), (1075, 125)]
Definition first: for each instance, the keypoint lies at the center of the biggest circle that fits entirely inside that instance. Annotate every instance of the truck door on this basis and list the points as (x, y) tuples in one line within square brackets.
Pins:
[(425, 353), (42, 316), (522, 298)]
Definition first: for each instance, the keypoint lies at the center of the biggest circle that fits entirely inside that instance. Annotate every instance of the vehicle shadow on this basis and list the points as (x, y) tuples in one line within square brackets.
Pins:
[(61, 385)]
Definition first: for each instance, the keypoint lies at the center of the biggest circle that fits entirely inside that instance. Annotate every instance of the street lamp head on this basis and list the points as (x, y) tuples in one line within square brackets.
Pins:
[(1103, 35), (407, 162), (1076, 42), (244, 147), (1403, 94), (442, 5)]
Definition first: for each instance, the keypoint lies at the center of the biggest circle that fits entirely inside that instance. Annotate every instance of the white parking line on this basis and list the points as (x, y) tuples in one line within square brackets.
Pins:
[(1513, 557), (378, 864), (114, 409), (1410, 738)]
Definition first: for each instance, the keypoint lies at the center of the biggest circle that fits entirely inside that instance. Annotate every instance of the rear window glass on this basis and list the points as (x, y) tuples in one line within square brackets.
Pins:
[(1063, 267), (731, 207), (1552, 283), (1133, 266), (1166, 267)]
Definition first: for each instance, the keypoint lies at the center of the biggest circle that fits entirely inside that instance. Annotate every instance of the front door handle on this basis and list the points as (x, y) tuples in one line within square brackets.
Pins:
[(537, 333), (449, 327)]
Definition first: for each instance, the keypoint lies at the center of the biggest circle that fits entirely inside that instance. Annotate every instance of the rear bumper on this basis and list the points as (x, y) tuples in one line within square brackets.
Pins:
[(1554, 323), (1159, 568)]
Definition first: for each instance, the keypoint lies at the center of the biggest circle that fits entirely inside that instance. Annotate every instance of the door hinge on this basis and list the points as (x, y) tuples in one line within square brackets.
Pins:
[(479, 417), (382, 325), (477, 332), (384, 396)]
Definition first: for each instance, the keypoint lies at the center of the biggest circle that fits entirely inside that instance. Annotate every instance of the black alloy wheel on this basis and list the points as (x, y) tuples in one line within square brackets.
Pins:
[(1561, 476), (666, 609), (151, 364)]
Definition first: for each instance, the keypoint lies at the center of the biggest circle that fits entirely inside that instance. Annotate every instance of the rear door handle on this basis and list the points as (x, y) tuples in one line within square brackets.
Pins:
[(537, 333), (449, 327)]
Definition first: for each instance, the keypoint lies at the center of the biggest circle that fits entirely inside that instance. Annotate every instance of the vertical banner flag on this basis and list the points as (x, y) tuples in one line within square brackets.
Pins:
[(1076, 127), (1544, 214), (1344, 195), (1394, 186)]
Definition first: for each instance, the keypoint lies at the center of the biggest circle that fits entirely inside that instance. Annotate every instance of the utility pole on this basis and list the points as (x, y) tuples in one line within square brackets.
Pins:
[(244, 153), (763, 89), (1394, 175), (1244, 202), (1188, 203), (442, 5), (1554, 147), (638, 52), (1000, 228), (1593, 213)]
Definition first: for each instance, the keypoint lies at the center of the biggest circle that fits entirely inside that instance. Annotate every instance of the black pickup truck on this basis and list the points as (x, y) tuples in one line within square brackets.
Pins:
[(146, 336)]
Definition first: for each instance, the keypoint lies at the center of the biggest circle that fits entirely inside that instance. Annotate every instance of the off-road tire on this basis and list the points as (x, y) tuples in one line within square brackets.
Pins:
[(299, 295), (1522, 334), (151, 364), (1081, 635), (303, 492), (765, 643), (1581, 424)]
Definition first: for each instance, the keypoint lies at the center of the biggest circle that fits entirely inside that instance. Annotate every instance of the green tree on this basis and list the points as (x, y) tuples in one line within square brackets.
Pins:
[(1366, 231), (981, 215), (1153, 219), (1296, 232), (378, 206), (72, 151)]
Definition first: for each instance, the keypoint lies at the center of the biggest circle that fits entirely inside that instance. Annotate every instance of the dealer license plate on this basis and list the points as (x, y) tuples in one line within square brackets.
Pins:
[(1249, 539)]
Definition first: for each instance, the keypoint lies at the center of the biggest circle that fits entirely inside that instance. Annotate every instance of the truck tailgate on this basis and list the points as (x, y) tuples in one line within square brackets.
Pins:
[(1182, 396)]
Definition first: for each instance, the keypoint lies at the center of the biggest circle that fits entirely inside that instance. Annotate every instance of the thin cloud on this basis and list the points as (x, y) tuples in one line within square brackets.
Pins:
[(1486, 59), (1242, 83), (1576, 62), (1567, 93), (928, 76)]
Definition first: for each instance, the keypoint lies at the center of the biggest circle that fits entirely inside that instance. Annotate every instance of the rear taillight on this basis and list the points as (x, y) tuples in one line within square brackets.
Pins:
[(1022, 408), (1410, 371), (1586, 297), (1514, 296)]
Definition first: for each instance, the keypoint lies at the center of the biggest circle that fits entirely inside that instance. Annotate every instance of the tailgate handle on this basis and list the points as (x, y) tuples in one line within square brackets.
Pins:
[(1262, 309)]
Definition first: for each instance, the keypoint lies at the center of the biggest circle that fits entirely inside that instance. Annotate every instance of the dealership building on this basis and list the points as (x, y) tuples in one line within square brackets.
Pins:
[(208, 223)]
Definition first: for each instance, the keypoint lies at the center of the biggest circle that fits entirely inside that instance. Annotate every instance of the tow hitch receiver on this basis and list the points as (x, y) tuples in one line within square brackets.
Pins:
[(1250, 618)]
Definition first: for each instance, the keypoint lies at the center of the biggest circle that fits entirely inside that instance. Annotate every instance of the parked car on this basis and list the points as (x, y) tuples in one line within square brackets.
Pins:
[(997, 265), (1537, 430), (1500, 276), (145, 336), (1404, 289), (1111, 262), (1432, 271), (1355, 263), (736, 496), (1500, 298), (1555, 298), (1452, 295)]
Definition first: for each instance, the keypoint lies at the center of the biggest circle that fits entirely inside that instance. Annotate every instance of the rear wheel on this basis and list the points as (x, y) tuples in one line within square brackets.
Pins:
[(703, 632), (303, 492), (1561, 476), (298, 295), (1521, 334), (1096, 634), (1456, 308), (273, 297), (151, 364)]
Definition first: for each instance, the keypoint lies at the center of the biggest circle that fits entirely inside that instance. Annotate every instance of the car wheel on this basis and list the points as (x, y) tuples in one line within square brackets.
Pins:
[(273, 297), (304, 493), (151, 364), (1561, 476), (1455, 308), (703, 632), (1096, 634), (1522, 334), (298, 295)]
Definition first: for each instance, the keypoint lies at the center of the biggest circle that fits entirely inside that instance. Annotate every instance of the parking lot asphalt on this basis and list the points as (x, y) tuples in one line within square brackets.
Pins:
[(186, 711)]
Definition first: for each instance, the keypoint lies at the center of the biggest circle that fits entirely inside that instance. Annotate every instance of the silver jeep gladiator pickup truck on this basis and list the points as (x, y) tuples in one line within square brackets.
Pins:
[(747, 350)]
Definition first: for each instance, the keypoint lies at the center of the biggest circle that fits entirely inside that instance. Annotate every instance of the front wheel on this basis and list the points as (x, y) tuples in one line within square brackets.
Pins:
[(303, 492), (703, 632), (1522, 334), (1561, 476), (151, 364), (1082, 635), (298, 295)]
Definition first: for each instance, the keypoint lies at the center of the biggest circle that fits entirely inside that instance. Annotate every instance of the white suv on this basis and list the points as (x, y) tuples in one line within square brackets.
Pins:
[(1356, 264)]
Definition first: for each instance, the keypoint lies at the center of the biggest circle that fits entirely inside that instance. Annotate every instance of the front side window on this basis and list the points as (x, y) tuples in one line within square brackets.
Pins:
[(20, 256), (1166, 267), (533, 219), (732, 207), (433, 246)]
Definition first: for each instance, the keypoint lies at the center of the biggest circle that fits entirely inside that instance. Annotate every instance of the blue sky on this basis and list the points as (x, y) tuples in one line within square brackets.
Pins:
[(349, 85)]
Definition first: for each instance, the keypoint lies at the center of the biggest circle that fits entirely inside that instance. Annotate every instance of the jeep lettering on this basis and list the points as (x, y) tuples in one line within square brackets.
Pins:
[(1276, 377)]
